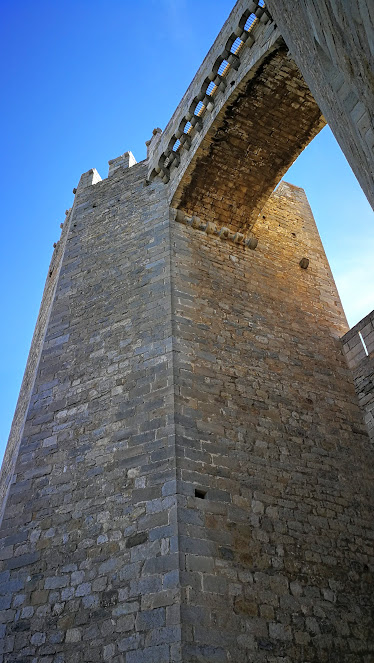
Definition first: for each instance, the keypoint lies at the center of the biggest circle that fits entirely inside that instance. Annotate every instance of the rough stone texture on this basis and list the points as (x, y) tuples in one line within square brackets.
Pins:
[(358, 347), (332, 43), (89, 562), (268, 428)]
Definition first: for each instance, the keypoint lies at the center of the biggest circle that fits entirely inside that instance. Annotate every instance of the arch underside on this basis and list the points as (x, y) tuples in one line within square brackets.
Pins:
[(269, 120)]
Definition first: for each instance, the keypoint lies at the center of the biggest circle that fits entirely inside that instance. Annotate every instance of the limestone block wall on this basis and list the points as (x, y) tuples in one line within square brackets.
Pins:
[(332, 44), (358, 347), (274, 466), (88, 544)]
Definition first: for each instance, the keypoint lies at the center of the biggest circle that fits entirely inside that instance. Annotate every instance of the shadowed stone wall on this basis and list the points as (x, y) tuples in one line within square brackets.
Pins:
[(250, 145), (12, 449), (358, 347)]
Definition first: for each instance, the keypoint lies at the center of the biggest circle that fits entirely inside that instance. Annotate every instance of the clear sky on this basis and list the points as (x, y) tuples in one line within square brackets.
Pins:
[(82, 82)]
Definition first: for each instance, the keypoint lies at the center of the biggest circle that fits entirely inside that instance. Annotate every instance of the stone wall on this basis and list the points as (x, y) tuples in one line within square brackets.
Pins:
[(275, 469), (332, 44), (88, 561), (358, 347)]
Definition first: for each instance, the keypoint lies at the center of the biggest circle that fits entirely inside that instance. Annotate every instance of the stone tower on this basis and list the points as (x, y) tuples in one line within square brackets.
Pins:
[(188, 476)]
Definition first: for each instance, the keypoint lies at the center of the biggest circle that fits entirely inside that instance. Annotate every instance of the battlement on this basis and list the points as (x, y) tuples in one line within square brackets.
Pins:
[(92, 177), (126, 160)]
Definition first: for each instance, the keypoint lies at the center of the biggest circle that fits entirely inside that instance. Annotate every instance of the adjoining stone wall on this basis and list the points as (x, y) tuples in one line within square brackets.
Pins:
[(332, 44), (274, 465), (358, 347), (89, 555)]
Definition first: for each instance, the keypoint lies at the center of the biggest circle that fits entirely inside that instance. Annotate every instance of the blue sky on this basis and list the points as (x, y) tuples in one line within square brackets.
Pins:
[(82, 82)]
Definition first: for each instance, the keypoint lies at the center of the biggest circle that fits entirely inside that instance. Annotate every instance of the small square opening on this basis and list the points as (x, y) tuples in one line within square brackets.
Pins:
[(200, 493)]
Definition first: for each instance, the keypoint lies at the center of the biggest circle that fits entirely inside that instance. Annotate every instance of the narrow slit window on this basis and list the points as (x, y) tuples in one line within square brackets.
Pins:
[(200, 493), (363, 343)]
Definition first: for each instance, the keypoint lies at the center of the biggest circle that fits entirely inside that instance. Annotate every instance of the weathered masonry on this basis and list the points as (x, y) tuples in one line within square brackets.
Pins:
[(188, 476)]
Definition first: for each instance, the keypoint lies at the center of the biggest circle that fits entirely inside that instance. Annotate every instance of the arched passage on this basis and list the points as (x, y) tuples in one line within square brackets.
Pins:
[(258, 134)]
